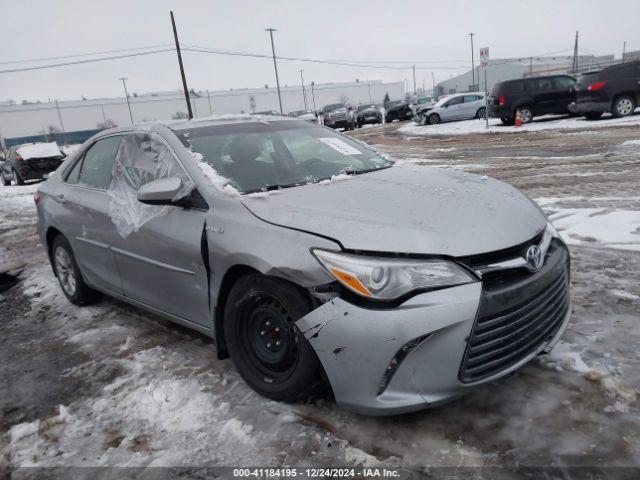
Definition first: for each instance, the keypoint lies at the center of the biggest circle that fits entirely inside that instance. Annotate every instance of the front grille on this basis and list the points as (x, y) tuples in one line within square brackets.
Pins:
[(509, 329)]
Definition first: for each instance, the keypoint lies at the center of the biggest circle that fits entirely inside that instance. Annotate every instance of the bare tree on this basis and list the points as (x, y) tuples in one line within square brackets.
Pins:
[(345, 100), (52, 129), (108, 123), (179, 115)]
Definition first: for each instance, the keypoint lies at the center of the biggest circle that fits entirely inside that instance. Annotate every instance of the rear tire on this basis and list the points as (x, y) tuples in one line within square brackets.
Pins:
[(269, 352), (69, 276), (593, 115), (623, 106), (526, 114), (433, 119), (16, 176), (481, 113)]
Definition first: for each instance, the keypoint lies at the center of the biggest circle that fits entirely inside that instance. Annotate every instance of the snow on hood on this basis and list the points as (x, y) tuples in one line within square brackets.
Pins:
[(408, 209), (39, 150)]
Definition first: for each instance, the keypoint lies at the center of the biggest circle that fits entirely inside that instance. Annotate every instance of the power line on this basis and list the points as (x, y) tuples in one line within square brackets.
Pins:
[(89, 60), (87, 54)]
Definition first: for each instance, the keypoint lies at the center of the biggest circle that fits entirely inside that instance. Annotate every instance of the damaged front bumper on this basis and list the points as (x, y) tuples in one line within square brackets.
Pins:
[(424, 351)]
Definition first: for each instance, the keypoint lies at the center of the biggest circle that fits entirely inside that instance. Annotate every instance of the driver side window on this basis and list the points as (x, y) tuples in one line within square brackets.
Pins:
[(454, 101)]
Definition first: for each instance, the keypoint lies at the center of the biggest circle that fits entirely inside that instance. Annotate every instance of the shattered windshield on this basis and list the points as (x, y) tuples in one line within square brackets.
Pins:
[(257, 156)]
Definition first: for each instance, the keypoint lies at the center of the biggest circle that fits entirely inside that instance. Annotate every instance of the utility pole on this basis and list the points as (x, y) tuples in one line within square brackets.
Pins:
[(209, 100), (530, 66), (624, 50), (60, 116), (415, 92), (304, 92), (575, 55), (184, 78), (275, 66), (473, 70), (369, 85), (313, 96), (433, 84), (126, 94)]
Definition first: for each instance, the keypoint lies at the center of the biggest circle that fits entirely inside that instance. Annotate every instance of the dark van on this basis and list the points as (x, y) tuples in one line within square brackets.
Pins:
[(614, 89), (532, 96)]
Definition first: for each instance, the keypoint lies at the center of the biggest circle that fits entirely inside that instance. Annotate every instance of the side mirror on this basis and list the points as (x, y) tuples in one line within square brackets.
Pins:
[(160, 192)]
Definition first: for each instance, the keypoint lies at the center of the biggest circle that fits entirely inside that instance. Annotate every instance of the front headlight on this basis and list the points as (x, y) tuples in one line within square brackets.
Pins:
[(390, 278)]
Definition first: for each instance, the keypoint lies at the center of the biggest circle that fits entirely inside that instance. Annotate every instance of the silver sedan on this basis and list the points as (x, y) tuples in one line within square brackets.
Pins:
[(310, 258)]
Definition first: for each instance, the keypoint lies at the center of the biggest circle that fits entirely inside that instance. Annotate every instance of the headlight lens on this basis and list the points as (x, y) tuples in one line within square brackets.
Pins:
[(390, 278)]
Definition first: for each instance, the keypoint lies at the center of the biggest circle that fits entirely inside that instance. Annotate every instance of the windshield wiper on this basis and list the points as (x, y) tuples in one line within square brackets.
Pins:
[(273, 186)]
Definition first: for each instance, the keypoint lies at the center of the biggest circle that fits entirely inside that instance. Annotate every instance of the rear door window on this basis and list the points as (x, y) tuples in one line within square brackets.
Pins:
[(542, 85), (471, 98), (97, 164), (454, 101), (563, 83)]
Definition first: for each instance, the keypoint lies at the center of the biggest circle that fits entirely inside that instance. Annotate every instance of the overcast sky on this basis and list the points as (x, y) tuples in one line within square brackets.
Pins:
[(354, 30)]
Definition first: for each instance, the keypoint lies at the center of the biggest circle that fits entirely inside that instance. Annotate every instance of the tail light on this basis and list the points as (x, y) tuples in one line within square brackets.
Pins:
[(595, 86), (502, 100), (36, 198), (19, 159)]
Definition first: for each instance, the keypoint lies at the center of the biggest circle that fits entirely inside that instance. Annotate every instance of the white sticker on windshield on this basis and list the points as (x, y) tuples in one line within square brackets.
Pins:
[(340, 146)]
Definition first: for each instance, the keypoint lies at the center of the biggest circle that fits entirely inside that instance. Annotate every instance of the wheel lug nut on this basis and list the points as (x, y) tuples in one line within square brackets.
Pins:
[(269, 345), (268, 324), (278, 343), (263, 333), (277, 329)]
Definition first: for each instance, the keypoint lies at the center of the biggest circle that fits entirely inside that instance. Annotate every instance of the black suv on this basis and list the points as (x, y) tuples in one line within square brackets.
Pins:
[(614, 89), (368, 113), (532, 96)]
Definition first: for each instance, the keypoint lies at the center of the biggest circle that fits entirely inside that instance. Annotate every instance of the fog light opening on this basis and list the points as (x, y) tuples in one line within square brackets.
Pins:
[(397, 359)]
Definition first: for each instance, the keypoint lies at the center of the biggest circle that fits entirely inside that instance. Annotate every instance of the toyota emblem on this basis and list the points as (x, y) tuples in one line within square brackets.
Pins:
[(534, 258)]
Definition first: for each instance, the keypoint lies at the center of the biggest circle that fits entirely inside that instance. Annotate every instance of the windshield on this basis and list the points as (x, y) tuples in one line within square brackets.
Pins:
[(366, 107), (331, 108), (257, 156)]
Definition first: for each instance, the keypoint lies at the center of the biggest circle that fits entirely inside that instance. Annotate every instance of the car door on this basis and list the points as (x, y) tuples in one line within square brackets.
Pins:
[(452, 109), (563, 93), (470, 106), (84, 216), (544, 95), (159, 250)]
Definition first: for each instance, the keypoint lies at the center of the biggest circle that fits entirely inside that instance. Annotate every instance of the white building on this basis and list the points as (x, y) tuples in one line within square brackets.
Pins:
[(19, 120)]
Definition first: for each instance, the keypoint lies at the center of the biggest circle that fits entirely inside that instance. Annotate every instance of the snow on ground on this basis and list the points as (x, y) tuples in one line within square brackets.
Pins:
[(608, 228), (546, 122)]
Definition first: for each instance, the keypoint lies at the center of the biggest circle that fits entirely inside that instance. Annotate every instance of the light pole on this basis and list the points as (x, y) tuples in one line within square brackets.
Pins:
[(126, 94), (304, 92), (473, 70), (414, 80), (313, 96), (275, 66), (624, 50), (59, 116), (180, 64)]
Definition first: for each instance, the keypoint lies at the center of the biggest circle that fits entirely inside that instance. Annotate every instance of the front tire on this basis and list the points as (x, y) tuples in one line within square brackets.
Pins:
[(433, 119), (623, 106), (16, 176), (69, 276), (269, 352), (4, 180)]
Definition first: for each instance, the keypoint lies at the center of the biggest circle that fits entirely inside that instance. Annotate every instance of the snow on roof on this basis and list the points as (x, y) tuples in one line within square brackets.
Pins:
[(39, 150)]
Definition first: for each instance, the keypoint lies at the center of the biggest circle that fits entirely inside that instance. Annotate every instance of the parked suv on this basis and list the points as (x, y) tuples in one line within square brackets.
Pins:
[(532, 96), (399, 304), (459, 106), (30, 161), (614, 89), (368, 113), (337, 115)]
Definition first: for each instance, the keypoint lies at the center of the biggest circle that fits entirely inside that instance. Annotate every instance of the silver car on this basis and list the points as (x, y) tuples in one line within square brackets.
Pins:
[(310, 258), (460, 106)]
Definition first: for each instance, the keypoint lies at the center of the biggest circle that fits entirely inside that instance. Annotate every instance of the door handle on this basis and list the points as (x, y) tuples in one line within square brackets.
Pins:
[(60, 198)]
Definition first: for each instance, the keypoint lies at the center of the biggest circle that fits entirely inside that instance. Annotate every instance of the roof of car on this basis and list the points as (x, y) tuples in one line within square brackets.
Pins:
[(183, 123)]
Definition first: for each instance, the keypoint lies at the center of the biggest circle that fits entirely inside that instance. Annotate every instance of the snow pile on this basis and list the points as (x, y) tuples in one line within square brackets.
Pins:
[(335, 178), (618, 229), (547, 122), (39, 150), (216, 179)]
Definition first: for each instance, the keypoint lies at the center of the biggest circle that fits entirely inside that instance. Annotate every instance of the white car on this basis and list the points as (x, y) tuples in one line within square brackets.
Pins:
[(459, 106)]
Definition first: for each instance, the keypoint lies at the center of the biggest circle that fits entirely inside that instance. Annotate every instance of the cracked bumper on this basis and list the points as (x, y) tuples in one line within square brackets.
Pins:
[(356, 345)]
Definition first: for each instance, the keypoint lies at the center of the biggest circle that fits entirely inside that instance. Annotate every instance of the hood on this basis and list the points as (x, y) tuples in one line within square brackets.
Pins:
[(397, 107), (369, 111), (408, 209)]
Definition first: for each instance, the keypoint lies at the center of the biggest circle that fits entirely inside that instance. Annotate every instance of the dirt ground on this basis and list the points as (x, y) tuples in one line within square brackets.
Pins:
[(110, 385)]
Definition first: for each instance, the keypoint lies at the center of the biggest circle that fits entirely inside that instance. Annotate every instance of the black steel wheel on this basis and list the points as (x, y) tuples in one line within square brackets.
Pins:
[(266, 347)]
